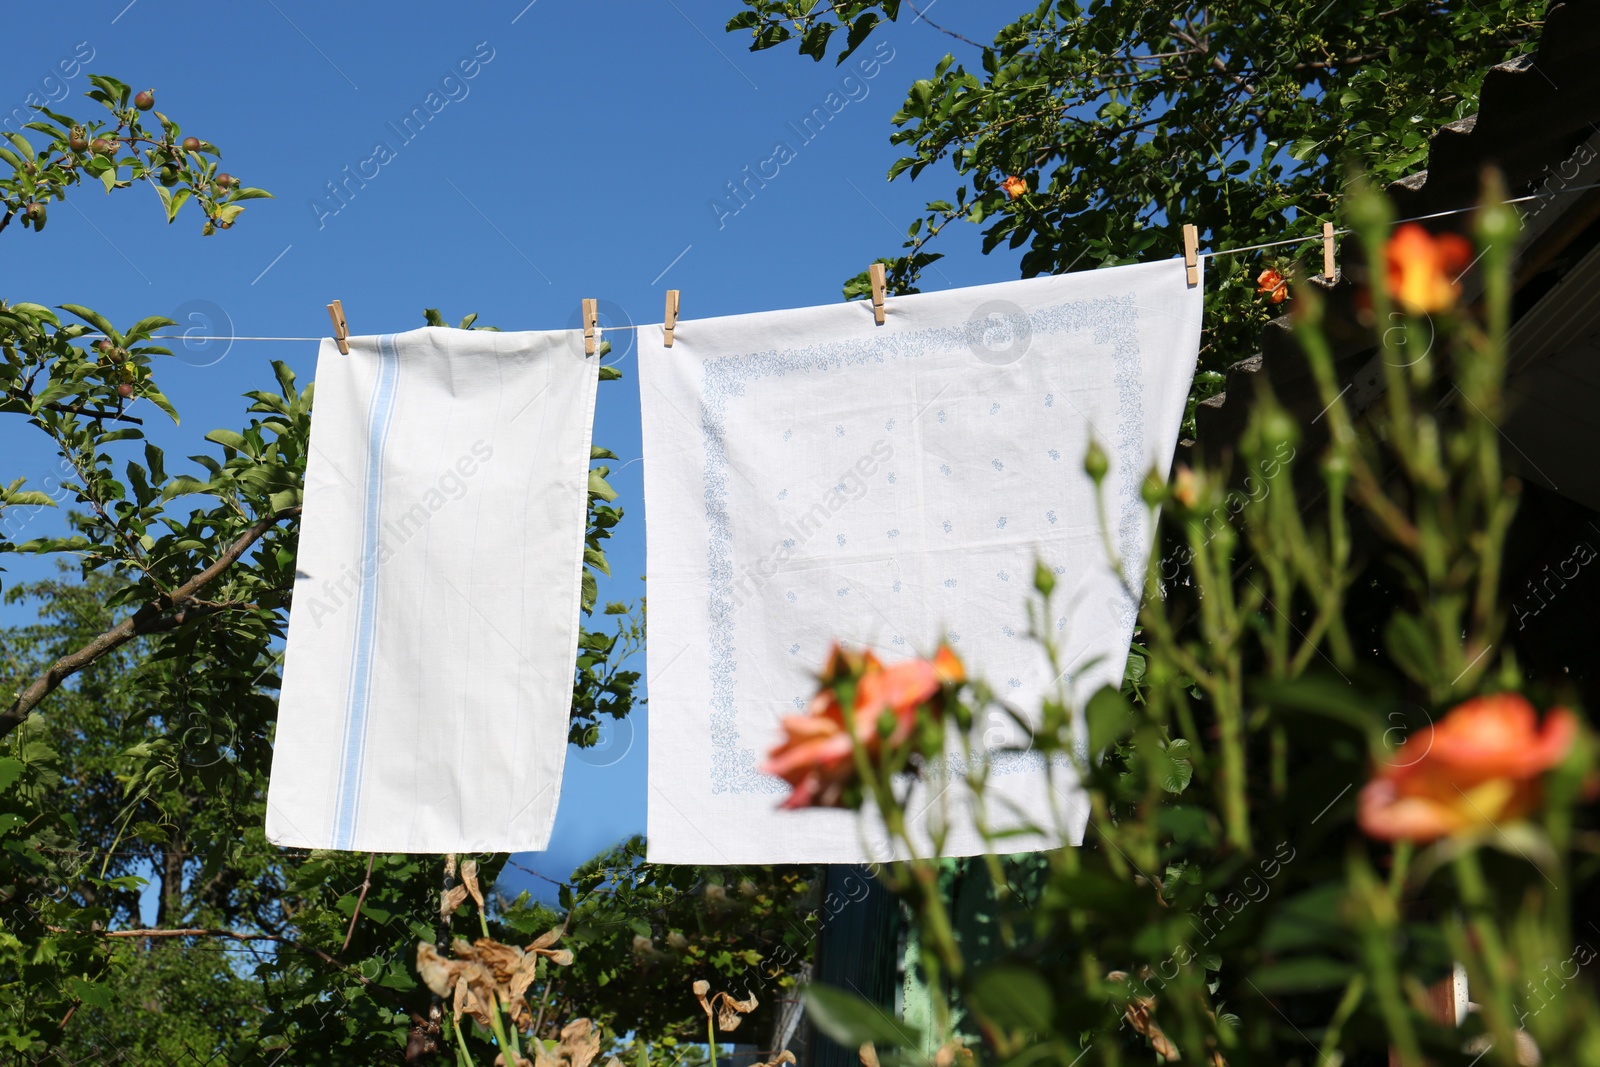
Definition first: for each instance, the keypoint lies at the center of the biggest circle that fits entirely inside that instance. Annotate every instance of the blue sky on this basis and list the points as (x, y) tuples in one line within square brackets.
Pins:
[(588, 154)]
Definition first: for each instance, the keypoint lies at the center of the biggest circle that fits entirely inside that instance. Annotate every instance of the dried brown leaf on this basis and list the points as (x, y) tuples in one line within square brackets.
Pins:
[(546, 1057), (503, 960), (438, 973), (580, 1043), (527, 970), (729, 1010), (546, 939), (467, 1003), (469, 878), (450, 900), (1139, 1015), (485, 990), (517, 993)]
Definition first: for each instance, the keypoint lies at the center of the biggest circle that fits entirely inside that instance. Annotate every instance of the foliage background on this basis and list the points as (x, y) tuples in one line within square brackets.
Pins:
[(139, 735)]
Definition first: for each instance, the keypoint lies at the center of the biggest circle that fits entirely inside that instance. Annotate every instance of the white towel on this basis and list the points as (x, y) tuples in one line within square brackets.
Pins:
[(811, 476), (429, 665)]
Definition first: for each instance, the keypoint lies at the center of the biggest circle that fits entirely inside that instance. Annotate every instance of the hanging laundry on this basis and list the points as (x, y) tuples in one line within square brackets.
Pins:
[(428, 671), (810, 476)]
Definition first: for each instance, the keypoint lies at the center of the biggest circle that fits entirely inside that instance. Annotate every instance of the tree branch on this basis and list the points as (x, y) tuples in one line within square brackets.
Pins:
[(82, 409), (232, 935), (941, 29), (192, 610), (152, 618), (1193, 41), (366, 884)]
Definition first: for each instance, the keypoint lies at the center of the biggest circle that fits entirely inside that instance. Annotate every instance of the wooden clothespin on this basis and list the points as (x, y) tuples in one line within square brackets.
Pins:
[(879, 285), (670, 323), (341, 329), (591, 323), (1329, 268), (1191, 253)]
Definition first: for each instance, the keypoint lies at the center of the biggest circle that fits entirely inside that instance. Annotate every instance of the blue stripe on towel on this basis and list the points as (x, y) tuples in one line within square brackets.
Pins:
[(352, 753)]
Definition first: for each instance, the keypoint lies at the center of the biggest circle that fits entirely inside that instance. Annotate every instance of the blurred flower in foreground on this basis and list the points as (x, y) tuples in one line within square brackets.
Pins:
[(1014, 187), (1477, 766), (1186, 486), (1423, 269), (816, 756), (1275, 285)]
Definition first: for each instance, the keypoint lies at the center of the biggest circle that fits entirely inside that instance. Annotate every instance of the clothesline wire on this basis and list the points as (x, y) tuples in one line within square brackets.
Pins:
[(1203, 255), (1414, 218)]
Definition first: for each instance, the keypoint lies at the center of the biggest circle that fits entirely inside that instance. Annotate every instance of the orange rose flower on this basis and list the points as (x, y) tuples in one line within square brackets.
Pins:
[(1014, 187), (1423, 268), (1275, 285), (1478, 766), (1186, 486), (816, 756)]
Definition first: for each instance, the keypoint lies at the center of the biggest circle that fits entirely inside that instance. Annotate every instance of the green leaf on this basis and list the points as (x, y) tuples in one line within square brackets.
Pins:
[(598, 486), (175, 202), (1321, 695), (285, 376), (159, 399), (1307, 920), (95, 319), (27, 499), (1303, 975), (1176, 769), (230, 439), (23, 146), (10, 771), (1110, 719), (182, 485), (852, 1021), (93, 994), (1409, 646), (1013, 997)]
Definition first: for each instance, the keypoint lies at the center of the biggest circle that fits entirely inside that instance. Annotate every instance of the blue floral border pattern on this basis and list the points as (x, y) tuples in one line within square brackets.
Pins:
[(1114, 321)]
